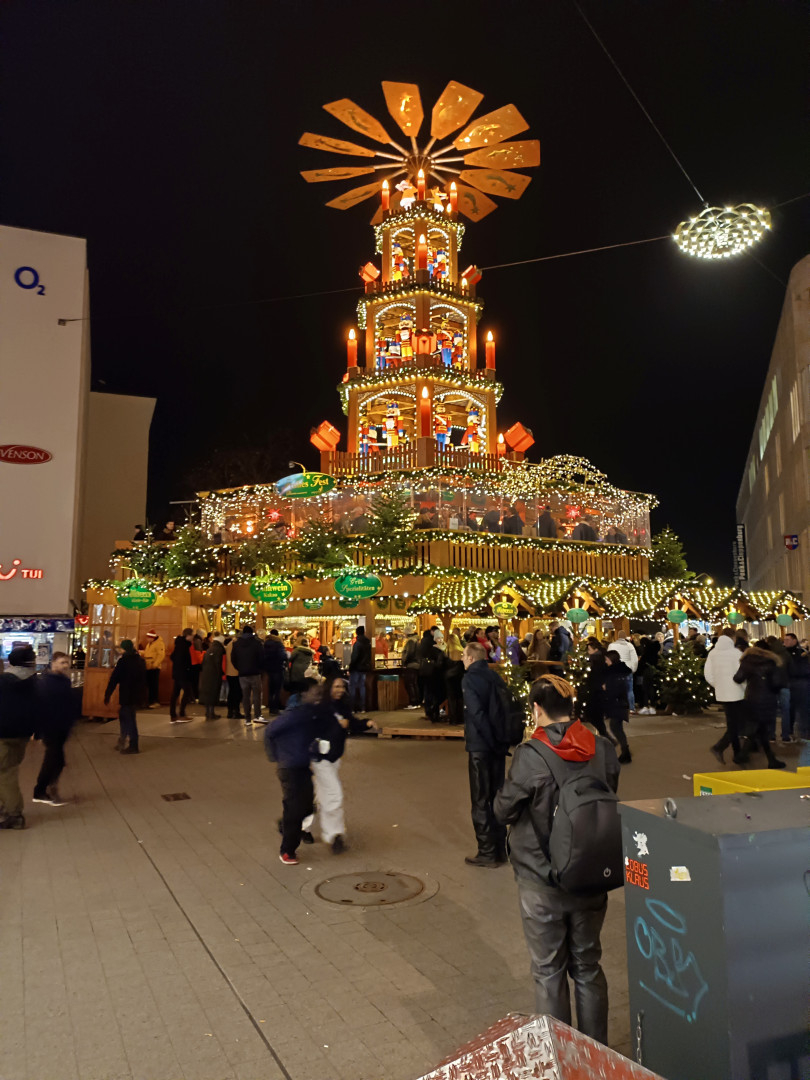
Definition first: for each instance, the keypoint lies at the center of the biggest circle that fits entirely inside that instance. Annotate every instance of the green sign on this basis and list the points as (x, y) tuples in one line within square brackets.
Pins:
[(677, 616), (382, 602), (313, 605), (344, 603), (357, 586), (269, 590), (784, 620), (279, 605), (735, 618), (305, 485), (136, 595), (505, 609), (706, 790), (577, 615)]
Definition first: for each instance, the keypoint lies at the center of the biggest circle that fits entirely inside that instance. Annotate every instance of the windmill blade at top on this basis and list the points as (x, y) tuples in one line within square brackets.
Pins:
[(455, 106), (405, 105), (334, 146), (510, 185), (494, 127), (523, 154), (358, 120)]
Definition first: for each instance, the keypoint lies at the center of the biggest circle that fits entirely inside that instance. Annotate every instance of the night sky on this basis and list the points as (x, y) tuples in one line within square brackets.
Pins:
[(166, 133)]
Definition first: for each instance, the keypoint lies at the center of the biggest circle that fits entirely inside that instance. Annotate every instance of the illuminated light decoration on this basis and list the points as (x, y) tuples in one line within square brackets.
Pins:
[(325, 437), (490, 351), (369, 272), (351, 349), (422, 253), (519, 438), (453, 204), (386, 196), (472, 275), (420, 185), (720, 232), (501, 444)]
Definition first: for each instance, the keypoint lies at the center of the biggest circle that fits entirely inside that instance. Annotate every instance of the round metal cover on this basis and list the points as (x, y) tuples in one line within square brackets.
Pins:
[(370, 889)]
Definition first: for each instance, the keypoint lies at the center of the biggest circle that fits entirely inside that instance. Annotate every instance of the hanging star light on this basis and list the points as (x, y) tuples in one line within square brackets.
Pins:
[(479, 143), (720, 232)]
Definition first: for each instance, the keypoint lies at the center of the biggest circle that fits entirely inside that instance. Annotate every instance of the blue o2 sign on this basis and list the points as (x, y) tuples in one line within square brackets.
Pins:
[(28, 278)]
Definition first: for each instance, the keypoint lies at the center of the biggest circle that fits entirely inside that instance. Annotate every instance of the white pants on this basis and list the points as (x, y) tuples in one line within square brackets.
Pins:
[(329, 799)]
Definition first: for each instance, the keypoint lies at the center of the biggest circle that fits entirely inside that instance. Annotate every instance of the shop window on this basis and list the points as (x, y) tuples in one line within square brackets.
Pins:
[(777, 446)]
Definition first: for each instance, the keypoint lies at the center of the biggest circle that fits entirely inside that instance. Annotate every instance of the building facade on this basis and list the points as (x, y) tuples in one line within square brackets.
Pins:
[(773, 505)]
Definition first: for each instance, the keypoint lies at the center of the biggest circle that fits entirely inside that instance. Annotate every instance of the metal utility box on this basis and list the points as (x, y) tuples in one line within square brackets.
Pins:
[(718, 934)]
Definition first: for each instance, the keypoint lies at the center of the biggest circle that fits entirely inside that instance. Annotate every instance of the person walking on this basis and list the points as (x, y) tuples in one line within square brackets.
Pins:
[(645, 674), (196, 652), (234, 689), (301, 658), (154, 654), (181, 677), (763, 679), (616, 704), (432, 663), (722, 664), (799, 676), (360, 663), (562, 929), (453, 676), (18, 719), (593, 711), (410, 670), (783, 659), (627, 653), (288, 739), (275, 661), (129, 675), (58, 712), (327, 750), (561, 643), (486, 754), (247, 656), (212, 671)]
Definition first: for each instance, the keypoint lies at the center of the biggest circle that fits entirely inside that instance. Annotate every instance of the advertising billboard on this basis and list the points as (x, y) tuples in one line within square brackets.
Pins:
[(44, 372)]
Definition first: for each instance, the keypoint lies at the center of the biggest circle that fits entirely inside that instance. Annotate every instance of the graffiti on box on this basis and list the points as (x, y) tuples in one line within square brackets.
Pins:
[(675, 979)]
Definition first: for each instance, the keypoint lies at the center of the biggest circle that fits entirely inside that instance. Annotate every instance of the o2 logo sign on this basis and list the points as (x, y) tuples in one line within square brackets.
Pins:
[(28, 278)]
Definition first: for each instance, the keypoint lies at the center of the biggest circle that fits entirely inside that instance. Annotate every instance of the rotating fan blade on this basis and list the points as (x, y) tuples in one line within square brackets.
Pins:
[(354, 196), (523, 154), (334, 146), (359, 120), (474, 204), (455, 106), (405, 105), (492, 128), (510, 185), (345, 172)]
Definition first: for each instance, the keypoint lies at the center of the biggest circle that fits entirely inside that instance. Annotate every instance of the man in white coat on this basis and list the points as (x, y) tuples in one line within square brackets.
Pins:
[(627, 651), (719, 671)]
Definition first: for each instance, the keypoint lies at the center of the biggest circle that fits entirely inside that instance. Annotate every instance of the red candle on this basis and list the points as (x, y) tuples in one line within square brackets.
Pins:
[(453, 196), (425, 425), (386, 195), (490, 351), (421, 253), (351, 350), (501, 445), (420, 185)]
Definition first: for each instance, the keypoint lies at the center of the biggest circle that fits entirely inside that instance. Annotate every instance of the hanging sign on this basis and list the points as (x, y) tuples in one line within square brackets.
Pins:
[(784, 619), (505, 609), (677, 616), (313, 605), (357, 586), (269, 590), (791, 541), (577, 615), (736, 617), (279, 605), (382, 602), (136, 595), (401, 603), (305, 485), (344, 603)]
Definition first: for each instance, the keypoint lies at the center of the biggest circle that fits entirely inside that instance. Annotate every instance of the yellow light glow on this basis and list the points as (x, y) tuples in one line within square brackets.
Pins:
[(425, 392), (489, 335), (352, 335)]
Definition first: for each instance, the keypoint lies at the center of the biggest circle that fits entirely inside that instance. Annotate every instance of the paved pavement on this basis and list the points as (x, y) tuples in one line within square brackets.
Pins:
[(163, 940)]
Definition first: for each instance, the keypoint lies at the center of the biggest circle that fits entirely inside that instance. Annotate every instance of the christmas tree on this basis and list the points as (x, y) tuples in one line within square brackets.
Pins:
[(668, 557), (391, 519), (189, 556), (683, 687)]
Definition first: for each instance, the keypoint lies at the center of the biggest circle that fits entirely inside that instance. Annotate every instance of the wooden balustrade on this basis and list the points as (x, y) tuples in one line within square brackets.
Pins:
[(418, 454)]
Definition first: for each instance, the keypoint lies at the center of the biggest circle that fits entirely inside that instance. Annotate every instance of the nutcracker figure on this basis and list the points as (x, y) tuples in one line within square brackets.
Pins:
[(431, 259), (439, 269), (394, 430), (382, 353), (365, 435), (442, 428), (446, 348), (405, 337), (458, 349), (399, 262), (471, 439)]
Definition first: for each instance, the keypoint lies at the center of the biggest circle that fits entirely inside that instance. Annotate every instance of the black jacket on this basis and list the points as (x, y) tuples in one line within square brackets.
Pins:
[(58, 706), (275, 655), (361, 654), (615, 682), (561, 644), (129, 675), (478, 688), (329, 727), (432, 661), (181, 658), (247, 655), (546, 525), (18, 706), (763, 676), (528, 799), (513, 525), (290, 736), (594, 707), (799, 666), (583, 531)]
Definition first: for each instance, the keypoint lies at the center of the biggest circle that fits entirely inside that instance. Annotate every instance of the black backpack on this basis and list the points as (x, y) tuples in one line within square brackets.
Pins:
[(585, 846), (509, 721)]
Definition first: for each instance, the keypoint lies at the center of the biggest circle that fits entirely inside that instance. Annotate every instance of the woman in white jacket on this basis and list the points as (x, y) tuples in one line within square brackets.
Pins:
[(721, 667)]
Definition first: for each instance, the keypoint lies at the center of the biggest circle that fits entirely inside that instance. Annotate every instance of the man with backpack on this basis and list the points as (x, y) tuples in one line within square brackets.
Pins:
[(566, 851), (493, 721)]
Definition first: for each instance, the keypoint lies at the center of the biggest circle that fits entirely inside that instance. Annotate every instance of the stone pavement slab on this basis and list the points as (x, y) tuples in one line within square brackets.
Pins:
[(164, 940)]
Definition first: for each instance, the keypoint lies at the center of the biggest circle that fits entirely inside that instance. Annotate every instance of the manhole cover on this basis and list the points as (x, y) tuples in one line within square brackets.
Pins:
[(370, 889)]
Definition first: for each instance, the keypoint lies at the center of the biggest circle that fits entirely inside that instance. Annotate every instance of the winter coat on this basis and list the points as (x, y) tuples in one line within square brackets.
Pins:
[(432, 660), (58, 706), (211, 672), (627, 651), (546, 526), (181, 658), (615, 685), (361, 655), (764, 678), (409, 658), (290, 736), (594, 694), (799, 667), (561, 644), (513, 525), (247, 655), (479, 688), (528, 798), (230, 670), (329, 728), (154, 654), (721, 666), (129, 675), (19, 704), (275, 655), (583, 531), (650, 652), (300, 659)]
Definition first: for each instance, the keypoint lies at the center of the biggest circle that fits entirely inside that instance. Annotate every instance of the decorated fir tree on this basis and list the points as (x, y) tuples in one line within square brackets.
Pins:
[(146, 559), (668, 557), (391, 519), (264, 554), (576, 672), (682, 687), (318, 546), (190, 556)]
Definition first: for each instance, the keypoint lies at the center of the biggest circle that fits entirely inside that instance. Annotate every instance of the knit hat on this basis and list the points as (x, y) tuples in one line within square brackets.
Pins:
[(152, 633), (22, 656), (127, 646)]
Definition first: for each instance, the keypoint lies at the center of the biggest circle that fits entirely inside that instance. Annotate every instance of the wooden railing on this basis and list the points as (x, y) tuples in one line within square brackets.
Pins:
[(418, 454)]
